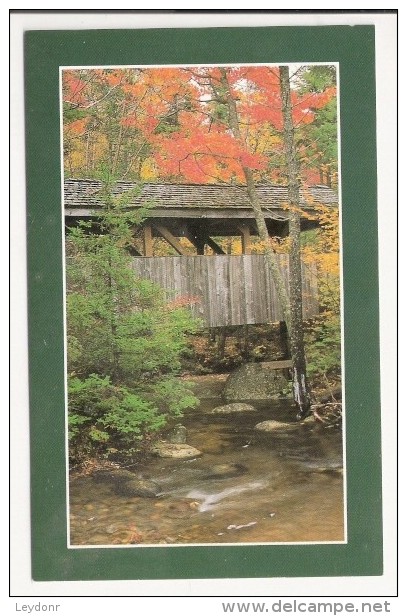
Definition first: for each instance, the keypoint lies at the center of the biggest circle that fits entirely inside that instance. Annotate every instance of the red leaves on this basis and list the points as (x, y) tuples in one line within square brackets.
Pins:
[(74, 89), (183, 301), (182, 115), (203, 156)]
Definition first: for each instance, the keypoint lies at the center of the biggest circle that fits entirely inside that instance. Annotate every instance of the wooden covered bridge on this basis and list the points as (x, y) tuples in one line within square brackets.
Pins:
[(223, 289)]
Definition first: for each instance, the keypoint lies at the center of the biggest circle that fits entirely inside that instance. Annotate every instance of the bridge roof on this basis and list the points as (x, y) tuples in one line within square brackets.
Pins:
[(168, 199), (214, 209)]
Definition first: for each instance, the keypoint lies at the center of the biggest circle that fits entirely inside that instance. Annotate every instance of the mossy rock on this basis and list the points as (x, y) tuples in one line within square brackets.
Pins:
[(179, 451), (271, 425), (234, 407), (226, 470), (114, 475), (138, 487), (255, 381)]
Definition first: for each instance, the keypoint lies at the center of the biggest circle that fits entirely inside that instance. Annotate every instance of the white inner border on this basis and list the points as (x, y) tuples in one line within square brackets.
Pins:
[(343, 587)]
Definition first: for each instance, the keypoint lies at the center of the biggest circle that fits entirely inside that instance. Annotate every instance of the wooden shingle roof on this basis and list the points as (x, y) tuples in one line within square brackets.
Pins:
[(80, 194)]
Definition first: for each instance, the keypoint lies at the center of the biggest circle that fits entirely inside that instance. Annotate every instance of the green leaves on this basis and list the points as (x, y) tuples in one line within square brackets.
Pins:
[(124, 341), (323, 346)]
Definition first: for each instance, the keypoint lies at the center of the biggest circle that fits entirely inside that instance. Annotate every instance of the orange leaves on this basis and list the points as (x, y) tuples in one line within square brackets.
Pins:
[(78, 127), (145, 123), (178, 118), (113, 79), (264, 105), (317, 100), (252, 160), (135, 90), (204, 156)]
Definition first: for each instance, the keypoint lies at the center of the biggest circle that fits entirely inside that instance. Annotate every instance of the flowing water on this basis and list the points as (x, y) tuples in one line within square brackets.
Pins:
[(290, 487)]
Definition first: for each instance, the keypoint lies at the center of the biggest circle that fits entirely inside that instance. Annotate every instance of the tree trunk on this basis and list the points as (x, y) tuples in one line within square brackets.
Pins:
[(256, 205), (300, 386)]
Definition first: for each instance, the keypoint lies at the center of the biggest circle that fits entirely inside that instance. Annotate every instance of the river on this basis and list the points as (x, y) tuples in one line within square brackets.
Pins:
[(290, 488)]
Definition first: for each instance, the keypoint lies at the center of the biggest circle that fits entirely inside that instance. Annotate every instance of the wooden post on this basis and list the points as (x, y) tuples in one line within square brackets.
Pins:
[(200, 246), (245, 232), (148, 241), (197, 240)]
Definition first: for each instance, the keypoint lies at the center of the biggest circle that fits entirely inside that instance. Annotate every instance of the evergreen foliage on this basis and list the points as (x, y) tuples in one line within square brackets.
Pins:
[(125, 340)]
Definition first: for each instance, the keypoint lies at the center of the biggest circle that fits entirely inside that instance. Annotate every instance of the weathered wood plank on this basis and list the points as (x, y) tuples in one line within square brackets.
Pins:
[(245, 233), (277, 365), (148, 241), (227, 289)]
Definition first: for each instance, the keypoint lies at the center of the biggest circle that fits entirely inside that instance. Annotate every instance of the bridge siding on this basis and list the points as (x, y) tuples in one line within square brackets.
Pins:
[(232, 290)]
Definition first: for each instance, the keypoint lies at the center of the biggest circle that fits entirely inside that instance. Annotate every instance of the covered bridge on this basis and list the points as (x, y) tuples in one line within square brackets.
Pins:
[(224, 289)]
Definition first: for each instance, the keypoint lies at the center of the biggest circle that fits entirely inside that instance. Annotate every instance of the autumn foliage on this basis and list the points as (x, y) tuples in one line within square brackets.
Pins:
[(172, 123)]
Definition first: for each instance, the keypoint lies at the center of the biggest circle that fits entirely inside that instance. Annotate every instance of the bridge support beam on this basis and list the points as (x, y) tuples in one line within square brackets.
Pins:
[(246, 245), (200, 240), (148, 241), (171, 239)]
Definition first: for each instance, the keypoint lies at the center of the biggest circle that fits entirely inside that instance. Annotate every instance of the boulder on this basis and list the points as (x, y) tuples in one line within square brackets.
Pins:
[(178, 435), (226, 470), (114, 475), (138, 487), (180, 451), (233, 407), (271, 425), (255, 381)]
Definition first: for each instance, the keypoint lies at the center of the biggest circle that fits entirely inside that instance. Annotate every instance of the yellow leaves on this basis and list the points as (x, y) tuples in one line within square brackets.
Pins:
[(324, 253), (298, 210), (329, 222), (261, 139), (279, 245), (148, 170), (77, 159)]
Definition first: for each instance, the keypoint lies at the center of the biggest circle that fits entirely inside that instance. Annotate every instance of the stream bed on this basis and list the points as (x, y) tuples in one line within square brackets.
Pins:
[(289, 487)]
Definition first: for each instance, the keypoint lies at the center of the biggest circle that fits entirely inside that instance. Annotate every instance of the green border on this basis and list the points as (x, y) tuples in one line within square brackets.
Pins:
[(353, 48)]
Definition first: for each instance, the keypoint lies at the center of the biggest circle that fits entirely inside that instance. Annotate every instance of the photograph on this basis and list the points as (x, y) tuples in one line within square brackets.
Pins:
[(201, 209)]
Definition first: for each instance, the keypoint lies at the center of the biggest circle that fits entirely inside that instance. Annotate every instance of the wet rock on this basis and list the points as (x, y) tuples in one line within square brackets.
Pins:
[(180, 451), (328, 471), (178, 435), (223, 471), (123, 536), (271, 425), (138, 487), (234, 407), (112, 528), (254, 381), (118, 475), (209, 386)]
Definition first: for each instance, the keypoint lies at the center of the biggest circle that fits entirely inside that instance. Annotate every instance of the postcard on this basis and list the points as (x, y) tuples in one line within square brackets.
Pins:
[(203, 303)]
